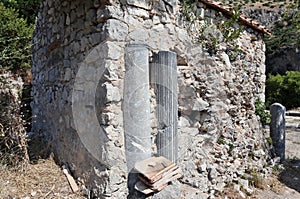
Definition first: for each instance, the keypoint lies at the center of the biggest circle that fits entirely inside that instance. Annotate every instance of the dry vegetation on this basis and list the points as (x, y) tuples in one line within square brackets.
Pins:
[(41, 180), (13, 150), (19, 178)]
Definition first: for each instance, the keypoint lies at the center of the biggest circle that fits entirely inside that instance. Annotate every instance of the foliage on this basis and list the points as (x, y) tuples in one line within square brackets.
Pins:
[(260, 111), (254, 177), (256, 180), (269, 140), (221, 140), (15, 40), (229, 29), (17, 19), (26, 9), (207, 33), (284, 89), (286, 33), (189, 11)]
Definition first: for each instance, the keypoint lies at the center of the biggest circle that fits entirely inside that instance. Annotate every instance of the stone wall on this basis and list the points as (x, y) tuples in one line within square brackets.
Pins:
[(78, 84)]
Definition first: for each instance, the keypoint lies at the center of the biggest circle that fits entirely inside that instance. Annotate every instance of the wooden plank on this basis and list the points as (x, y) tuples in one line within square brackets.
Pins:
[(70, 179), (141, 187), (150, 183), (165, 182), (153, 168), (167, 177)]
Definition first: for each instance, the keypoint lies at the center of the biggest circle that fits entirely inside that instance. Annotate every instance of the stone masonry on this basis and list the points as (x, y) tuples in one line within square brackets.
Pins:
[(78, 92)]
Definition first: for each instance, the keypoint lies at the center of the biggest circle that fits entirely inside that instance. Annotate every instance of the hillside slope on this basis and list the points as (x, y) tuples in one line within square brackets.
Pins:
[(282, 18)]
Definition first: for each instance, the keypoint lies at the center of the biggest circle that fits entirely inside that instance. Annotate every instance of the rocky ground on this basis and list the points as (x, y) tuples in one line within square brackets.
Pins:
[(285, 184), (45, 179)]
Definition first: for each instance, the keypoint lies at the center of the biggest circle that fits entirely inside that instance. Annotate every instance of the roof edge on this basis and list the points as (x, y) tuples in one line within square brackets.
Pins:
[(227, 10)]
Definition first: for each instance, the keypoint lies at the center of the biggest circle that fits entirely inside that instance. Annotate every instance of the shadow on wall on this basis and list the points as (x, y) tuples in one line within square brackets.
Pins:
[(38, 149)]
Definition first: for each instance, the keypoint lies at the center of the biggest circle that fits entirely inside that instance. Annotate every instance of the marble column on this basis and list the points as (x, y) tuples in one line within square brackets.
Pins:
[(136, 105), (164, 78)]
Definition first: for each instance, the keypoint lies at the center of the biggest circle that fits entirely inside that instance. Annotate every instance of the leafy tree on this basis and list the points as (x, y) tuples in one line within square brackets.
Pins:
[(286, 33), (15, 40), (284, 89), (27, 9)]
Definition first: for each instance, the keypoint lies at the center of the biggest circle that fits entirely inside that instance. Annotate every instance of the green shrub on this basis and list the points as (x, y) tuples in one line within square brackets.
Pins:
[(284, 89), (15, 40), (260, 111), (227, 28)]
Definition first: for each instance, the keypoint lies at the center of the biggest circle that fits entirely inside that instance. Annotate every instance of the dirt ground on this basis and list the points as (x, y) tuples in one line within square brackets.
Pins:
[(45, 179), (286, 183), (41, 180)]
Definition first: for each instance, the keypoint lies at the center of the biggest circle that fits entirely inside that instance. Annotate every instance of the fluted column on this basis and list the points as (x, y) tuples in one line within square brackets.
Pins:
[(164, 79)]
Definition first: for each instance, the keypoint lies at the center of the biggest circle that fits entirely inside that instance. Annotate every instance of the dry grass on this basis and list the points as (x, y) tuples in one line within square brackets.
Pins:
[(13, 143), (42, 180)]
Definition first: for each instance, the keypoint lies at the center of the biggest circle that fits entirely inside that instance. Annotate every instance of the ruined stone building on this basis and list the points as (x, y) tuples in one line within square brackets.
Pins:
[(110, 77)]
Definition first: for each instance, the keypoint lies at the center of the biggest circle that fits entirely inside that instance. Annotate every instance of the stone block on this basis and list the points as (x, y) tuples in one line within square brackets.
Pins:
[(112, 93), (200, 105), (183, 122), (132, 22), (113, 51), (106, 50), (138, 12), (145, 4), (67, 75), (116, 30), (139, 35), (102, 15), (226, 59)]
